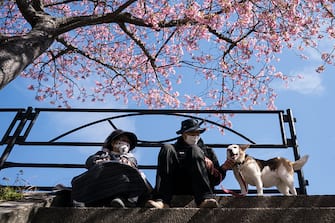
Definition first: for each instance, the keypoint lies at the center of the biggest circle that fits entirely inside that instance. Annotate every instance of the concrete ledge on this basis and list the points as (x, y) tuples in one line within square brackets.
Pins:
[(25, 209), (307, 201), (50, 208), (181, 215)]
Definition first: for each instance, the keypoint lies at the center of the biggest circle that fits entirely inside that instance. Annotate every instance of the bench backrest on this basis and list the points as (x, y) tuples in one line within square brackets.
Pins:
[(81, 132)]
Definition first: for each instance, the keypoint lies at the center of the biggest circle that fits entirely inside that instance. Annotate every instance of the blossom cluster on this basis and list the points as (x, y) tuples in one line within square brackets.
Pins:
[(209, 54)]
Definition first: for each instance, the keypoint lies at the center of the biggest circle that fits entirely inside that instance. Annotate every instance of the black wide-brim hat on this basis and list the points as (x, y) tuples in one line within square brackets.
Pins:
[(190, 125), (117, 133)]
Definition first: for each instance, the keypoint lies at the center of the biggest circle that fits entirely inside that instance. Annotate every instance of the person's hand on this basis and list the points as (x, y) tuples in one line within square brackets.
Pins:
[(209, 165), (103, 157), (125, 160), (228, 164), (101, 160)]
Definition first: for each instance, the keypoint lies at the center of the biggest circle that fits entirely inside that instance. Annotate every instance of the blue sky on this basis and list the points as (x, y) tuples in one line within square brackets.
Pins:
[(311, 100)]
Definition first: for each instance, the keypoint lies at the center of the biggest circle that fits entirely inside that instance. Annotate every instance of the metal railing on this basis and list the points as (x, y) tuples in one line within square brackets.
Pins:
[(23, 121)]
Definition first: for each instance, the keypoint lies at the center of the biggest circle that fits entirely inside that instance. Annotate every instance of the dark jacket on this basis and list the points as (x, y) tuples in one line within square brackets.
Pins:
[(219, 175)]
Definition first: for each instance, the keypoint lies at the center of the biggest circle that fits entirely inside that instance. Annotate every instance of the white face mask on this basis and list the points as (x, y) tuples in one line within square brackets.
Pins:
[(192, 140), (121, 146)]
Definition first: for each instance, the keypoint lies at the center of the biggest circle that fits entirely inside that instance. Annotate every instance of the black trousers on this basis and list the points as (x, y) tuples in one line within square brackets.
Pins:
[(182, 172)]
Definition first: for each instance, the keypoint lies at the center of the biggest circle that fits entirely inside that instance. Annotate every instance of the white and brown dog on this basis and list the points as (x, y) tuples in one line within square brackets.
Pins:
[(277, 172)]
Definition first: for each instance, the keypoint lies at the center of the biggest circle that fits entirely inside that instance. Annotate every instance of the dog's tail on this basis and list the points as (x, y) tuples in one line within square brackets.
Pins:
[(298, 164)]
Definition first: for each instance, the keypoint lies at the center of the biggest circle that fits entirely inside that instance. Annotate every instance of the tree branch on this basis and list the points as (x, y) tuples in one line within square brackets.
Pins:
[(117, 16), (151, 59), (139, 43), (27, 11), (77, 50)]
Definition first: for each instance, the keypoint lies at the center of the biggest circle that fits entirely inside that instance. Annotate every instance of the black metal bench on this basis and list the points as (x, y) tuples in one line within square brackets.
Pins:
[(18, 125)]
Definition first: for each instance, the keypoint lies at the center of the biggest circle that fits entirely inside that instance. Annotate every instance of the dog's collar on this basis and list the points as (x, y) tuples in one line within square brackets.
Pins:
[(241, 163)]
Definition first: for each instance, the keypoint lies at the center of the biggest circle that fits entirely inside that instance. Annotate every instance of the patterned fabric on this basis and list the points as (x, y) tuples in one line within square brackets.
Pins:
[(105, 156), (107, 180)]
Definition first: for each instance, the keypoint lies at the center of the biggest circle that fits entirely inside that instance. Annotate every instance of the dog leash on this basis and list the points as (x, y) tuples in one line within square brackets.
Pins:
[(227, 191)]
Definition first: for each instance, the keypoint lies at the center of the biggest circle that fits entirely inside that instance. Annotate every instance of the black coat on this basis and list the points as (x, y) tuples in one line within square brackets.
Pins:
[(215, 179)]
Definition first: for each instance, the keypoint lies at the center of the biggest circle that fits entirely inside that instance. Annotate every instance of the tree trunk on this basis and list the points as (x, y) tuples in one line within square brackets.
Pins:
[(16, 53)]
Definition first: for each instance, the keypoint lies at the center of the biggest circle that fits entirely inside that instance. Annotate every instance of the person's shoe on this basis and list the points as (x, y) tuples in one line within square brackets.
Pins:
[(117, 203), (156, 204), (129, 203), (209, 203)]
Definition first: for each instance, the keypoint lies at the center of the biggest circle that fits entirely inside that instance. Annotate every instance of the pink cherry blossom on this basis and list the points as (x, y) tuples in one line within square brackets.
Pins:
[(168, 54)]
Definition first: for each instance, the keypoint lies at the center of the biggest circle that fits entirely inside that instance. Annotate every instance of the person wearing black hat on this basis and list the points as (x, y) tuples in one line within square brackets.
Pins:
[(112, 178), (117, 147), (187, 167)]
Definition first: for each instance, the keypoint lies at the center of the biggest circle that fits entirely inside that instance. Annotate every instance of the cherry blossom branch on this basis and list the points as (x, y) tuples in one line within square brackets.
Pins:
[(221, 36), (28, 11), (54, 87), (86, 55), (61, 3), (230, 41), (139, 43), (146, 43), (330, 13), (151, 59), (165, 43)]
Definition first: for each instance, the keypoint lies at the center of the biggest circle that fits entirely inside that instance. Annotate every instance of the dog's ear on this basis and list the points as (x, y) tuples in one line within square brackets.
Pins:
[(244, 147)]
